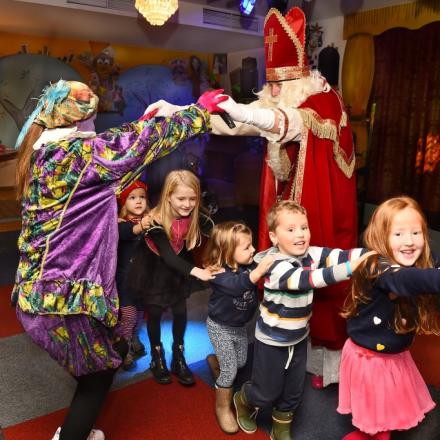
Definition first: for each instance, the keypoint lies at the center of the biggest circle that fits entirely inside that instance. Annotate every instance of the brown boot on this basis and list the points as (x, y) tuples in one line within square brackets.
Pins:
[(225, 416), (214, 366)]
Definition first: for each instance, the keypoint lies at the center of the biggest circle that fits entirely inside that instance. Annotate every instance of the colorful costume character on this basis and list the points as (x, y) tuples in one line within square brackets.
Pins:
[(65, 291), (310, 159)]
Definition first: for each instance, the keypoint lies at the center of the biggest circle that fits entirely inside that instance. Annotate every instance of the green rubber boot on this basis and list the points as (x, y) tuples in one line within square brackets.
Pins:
[(246, 414), (281, 422)]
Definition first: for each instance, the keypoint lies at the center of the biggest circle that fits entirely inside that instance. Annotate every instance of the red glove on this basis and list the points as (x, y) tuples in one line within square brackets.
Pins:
[(210, 99)]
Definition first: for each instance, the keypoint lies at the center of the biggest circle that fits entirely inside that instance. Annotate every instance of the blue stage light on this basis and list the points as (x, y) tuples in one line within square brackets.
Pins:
[(247, 6)]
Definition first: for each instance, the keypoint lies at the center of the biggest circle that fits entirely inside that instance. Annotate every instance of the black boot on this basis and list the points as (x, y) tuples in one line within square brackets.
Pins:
[(179, 367), (137, 347), (158, 365)]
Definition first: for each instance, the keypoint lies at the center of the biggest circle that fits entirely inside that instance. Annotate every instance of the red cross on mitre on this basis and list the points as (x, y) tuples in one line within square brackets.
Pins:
[(270, 39)]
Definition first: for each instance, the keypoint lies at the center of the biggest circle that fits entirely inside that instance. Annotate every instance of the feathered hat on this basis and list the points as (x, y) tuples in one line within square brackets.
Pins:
[(61, 104)]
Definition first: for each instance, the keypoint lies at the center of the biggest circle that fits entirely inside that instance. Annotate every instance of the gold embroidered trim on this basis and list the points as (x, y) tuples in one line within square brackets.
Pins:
[(298, 181), (327, 129), (285, 125), (286, 73)]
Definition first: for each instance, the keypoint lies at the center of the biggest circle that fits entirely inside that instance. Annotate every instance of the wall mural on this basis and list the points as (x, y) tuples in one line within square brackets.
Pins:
[(124, 92), (22, 77)]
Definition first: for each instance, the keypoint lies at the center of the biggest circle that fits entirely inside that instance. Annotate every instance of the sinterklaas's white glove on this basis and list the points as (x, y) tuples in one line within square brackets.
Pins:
[(259, 117)]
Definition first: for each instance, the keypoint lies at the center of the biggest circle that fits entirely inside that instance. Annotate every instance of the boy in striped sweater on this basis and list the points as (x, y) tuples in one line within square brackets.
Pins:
[(280, 350)]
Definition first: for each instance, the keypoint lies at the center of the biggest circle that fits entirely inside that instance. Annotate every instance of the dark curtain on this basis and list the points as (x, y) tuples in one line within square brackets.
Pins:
[(404, 151)]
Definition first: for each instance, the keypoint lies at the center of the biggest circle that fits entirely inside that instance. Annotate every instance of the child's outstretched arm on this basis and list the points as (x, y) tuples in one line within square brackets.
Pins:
[(327, 257), (175, 261), (409, 281), (236, 283), (285, 276)]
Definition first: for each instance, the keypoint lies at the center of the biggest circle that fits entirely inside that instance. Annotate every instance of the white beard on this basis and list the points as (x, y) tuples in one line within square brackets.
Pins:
[(294, 92)]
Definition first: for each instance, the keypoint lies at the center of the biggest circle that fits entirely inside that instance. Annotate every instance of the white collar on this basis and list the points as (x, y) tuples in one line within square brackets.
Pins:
[(57, 134)]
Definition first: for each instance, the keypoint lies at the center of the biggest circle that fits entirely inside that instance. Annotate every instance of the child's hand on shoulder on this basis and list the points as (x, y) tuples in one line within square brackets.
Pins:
[(262, 268), (215, 269), (202, 274), (265, 263), (121, 220), (356, 263)]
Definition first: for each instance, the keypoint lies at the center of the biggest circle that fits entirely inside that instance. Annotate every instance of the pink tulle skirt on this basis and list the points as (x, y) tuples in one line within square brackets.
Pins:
[(383, 392)]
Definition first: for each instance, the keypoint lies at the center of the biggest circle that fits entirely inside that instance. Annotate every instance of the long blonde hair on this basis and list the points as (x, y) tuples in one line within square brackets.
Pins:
[(163, 212), (424, 321), (22, 170), (221, 246)]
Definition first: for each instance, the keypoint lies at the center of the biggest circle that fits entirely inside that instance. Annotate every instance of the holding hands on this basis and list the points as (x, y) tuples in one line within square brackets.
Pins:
[(208, 100), (211, 99)]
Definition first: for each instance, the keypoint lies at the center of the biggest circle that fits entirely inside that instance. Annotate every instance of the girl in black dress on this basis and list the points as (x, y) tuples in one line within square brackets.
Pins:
[(163, 269)]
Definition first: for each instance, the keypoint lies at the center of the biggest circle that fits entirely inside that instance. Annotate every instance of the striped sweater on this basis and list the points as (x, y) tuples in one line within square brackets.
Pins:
[(288, 291)]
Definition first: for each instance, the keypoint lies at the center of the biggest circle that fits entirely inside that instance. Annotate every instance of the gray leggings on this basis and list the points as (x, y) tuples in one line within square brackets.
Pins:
[(230, 346)]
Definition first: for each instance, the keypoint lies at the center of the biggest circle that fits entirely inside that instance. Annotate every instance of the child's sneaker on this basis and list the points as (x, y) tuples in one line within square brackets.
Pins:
[(95, 434)]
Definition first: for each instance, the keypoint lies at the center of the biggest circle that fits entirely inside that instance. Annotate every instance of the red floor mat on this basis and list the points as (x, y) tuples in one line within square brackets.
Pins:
[(145, 411)]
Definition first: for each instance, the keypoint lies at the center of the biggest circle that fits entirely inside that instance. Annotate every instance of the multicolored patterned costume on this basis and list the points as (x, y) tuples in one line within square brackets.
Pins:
[(65, 284)]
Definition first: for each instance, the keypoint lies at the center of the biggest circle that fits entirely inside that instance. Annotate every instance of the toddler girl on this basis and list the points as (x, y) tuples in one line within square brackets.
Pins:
[(134, 206), (233, 303)]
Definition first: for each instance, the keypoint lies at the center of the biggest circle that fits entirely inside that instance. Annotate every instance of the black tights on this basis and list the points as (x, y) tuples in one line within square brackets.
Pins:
[(179, 322), (88, 400)]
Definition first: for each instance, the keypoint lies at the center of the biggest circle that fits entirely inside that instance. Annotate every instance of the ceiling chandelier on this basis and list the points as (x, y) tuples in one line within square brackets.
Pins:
[(156, 12)]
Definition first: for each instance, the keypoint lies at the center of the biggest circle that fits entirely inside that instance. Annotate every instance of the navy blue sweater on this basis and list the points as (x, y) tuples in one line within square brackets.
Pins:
[(233, 301), (372, 328)]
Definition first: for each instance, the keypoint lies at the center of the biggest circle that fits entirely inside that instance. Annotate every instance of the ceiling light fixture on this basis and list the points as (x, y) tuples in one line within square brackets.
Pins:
[(156, 12)]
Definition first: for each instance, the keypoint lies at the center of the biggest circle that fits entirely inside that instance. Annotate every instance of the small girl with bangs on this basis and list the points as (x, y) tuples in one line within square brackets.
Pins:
[(394, 296), (232, 305), (131, 222), (163, 268)]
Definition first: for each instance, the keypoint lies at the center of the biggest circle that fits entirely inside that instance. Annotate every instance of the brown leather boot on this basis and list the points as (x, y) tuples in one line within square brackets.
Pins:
[(214, 366), (225, 416)]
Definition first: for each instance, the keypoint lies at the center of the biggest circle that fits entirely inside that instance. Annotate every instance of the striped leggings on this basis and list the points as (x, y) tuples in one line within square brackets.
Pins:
[(230, 346)]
